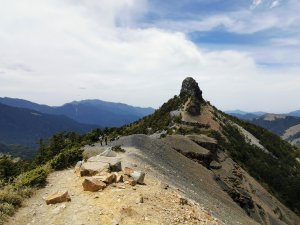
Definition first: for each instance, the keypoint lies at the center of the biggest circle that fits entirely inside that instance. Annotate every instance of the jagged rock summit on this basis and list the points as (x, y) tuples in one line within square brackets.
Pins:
[(191, 88), (191, 92)]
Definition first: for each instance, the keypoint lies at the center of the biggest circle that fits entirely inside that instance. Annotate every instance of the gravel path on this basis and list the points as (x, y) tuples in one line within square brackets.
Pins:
[(194, 180)]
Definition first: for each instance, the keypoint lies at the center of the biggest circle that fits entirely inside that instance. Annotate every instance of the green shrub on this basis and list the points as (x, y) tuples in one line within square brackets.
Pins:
[(10, 197), (7, 209), (34, 178), (66, 158)]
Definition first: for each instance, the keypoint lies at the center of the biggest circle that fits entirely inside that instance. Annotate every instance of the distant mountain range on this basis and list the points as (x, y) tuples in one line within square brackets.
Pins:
[(26, 126), (285, 125), (23, 123), (101, 113)]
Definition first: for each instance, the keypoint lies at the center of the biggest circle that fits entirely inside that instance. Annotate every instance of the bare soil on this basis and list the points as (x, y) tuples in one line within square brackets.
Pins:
[(117, 204)]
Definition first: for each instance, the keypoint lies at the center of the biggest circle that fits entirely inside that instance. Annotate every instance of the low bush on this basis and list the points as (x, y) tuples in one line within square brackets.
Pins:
[(34, 178), (7, 209), (66, 158), (9, 196)]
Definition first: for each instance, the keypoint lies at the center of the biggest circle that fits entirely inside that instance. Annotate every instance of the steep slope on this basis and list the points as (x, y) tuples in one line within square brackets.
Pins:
[(238, 153), (285, 125), (102, 113), (26, 127), (288, 127)]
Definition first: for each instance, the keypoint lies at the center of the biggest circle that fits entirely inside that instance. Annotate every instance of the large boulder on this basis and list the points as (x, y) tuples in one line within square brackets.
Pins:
[(93, 168), (137, 176), (114, 162), (92, 184), (58, 197)]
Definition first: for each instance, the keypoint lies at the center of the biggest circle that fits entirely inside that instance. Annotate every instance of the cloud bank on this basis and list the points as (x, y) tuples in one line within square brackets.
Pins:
[(58, 51)]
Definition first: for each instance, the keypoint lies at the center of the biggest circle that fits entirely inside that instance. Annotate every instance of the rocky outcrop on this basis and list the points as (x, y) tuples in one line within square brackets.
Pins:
[(191, 93), (58, 197), (190, 88)]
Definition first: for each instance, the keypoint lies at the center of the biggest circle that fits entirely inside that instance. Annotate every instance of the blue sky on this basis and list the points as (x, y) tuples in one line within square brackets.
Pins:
[(244, 53), (233, 24)]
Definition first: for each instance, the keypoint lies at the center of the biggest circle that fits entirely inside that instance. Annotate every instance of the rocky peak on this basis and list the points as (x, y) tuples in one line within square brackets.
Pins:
[(190, 88), (192, 92)]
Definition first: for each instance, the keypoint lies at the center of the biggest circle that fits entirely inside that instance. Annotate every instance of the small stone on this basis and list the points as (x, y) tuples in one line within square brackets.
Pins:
[(138, 176), (182, 201), (119, 177), (140, 199), (129, 180), (58, 197), (164, 186), (128, 171)]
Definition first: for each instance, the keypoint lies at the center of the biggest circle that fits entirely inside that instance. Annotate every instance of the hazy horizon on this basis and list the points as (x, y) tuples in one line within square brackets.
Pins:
[(134, 105), (242, 53)]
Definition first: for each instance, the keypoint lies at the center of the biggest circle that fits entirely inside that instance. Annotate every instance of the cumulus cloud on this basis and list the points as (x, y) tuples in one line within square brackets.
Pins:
[(67, 45)]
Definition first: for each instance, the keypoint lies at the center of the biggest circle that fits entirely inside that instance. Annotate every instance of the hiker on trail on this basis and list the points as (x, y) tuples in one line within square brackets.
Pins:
[(105, 139), (101, 140)]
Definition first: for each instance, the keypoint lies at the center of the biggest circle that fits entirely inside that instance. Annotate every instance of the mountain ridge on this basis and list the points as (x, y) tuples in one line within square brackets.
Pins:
[(245, 155), (90, 111)]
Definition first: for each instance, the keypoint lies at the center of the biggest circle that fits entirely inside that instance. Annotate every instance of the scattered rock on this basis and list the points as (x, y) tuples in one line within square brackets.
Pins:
[(128, 171), (137, 176), (58, 197), (140, 199), (119, 177), (182, 201), (93, 168), (164, 186), (129, 180), (92, 184)]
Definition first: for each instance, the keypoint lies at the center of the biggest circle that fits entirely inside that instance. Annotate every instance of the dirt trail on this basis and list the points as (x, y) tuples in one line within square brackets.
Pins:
[(117, 204)]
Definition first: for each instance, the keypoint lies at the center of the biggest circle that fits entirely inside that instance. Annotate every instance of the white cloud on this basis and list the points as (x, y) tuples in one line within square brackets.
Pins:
[(58, 51), (255, 3), (274, 3)]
